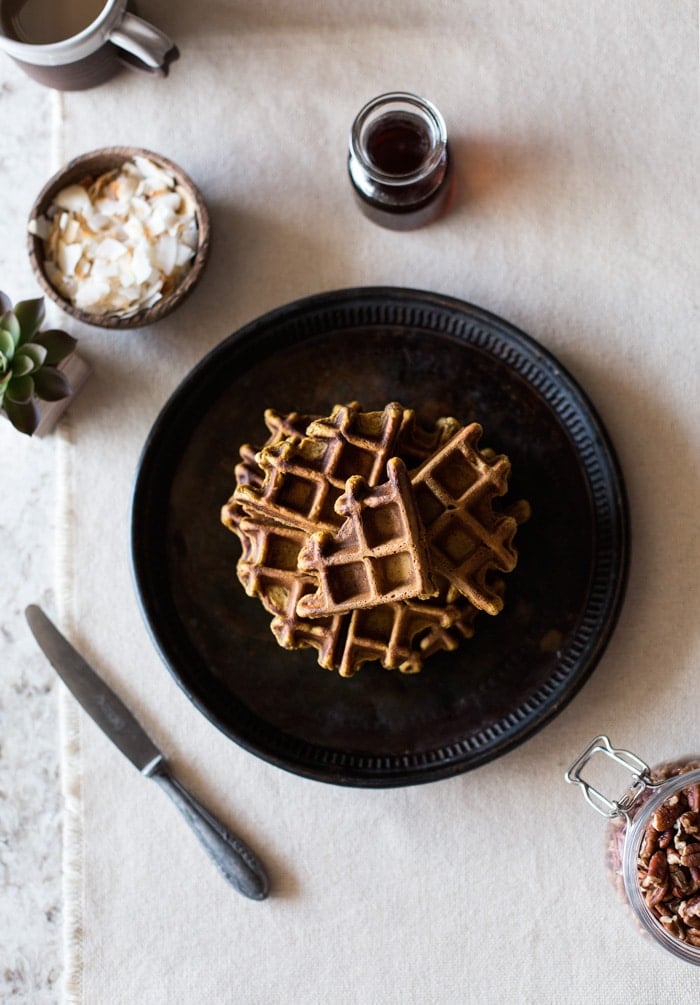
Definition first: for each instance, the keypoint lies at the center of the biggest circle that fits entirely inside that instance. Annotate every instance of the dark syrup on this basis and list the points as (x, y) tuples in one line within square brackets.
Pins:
[(398, 144)]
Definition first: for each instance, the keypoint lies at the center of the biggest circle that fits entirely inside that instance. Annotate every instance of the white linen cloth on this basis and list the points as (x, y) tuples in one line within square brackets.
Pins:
[(574, 135)]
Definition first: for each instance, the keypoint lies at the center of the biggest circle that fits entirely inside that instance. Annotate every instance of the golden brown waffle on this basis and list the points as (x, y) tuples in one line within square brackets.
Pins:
[(304, 477), (402, 635), (248, 471), (377, 556), (415, 443), (469, 541), (267, 567), (301, 511)]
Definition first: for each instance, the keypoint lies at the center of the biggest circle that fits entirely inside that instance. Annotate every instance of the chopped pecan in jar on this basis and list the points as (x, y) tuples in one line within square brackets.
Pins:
[(668, 865)]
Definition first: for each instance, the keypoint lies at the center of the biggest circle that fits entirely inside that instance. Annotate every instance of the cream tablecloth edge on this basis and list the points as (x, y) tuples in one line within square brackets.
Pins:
[(68, 716), (69, 732)]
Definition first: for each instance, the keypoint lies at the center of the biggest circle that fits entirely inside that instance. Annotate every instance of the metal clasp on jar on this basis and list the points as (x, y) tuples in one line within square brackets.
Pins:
[(640, 771)]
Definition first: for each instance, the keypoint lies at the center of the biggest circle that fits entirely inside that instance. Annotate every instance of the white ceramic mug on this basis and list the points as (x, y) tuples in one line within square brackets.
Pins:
[(115, 37)]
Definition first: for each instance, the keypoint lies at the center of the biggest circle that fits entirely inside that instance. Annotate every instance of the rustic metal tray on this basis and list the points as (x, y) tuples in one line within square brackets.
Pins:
[(438, 356)]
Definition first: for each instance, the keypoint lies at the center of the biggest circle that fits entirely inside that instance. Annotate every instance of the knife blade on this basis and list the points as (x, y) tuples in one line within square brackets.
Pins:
[(234, 859)]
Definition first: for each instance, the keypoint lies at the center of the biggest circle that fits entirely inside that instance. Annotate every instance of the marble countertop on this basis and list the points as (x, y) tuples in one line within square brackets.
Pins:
[(30, 798)]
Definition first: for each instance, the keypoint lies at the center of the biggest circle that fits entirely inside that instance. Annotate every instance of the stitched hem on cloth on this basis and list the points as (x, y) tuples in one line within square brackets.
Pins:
[(68, 716), (69, 731)]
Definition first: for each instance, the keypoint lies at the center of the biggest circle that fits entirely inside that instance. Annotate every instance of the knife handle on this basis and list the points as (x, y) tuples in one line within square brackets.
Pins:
[(231, 855)]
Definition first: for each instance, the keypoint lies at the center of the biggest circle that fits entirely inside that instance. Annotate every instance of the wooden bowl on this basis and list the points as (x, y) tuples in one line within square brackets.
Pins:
[(85, 168)]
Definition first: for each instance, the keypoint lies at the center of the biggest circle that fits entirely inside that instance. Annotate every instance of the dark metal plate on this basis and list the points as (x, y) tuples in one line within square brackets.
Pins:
[(438, 356)]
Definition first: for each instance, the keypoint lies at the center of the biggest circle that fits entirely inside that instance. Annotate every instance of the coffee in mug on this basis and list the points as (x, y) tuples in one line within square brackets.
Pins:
[(36, 22), (74, 44)]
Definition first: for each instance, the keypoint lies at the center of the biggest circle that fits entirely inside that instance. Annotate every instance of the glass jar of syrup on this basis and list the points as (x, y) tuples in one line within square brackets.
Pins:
[(399, 161)]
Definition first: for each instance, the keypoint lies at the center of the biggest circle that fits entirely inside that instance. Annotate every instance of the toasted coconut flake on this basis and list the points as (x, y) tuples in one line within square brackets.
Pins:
[(73, 198), (119, 244), (68, 257), (40, 228)]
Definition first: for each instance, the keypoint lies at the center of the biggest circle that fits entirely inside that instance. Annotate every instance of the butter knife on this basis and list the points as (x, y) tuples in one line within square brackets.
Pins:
[(230, 854)]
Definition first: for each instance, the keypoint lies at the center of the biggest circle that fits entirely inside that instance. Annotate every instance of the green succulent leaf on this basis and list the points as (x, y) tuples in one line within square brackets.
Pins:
[(7, 344), (30, 314), (24, 415), (51, 385), (21, 366), (19, 390), (58, 345), (36, 354), (9, 323)]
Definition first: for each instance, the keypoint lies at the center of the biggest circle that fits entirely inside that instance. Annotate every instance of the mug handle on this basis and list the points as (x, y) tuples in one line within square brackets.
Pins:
[(148, 44)]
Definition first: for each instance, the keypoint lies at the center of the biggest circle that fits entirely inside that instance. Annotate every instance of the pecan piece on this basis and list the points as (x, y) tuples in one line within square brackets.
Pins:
[(657, 873), (681, 883), (689, 822), (690, 856), (692, 908), (649, 845), (672, 925), (666, 838), (692, 794), (667, 814), (674, 856), (656, 896)]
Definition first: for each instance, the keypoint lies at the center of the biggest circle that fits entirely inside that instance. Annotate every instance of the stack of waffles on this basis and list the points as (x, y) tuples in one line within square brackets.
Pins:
[(370, 537)]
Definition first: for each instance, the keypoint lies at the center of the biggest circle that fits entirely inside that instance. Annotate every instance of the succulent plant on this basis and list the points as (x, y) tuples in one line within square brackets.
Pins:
[(29, 361)]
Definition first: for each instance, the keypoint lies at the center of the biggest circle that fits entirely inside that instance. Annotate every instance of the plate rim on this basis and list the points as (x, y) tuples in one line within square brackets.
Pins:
[(376, 299)]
